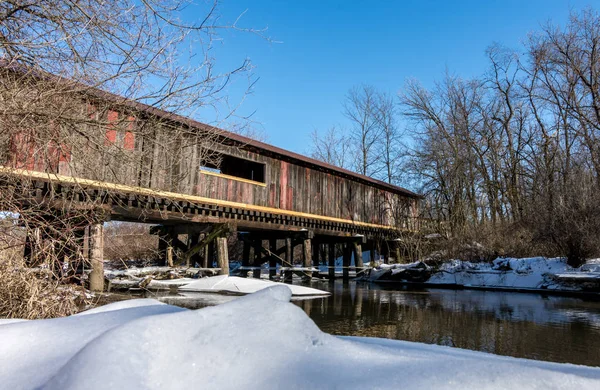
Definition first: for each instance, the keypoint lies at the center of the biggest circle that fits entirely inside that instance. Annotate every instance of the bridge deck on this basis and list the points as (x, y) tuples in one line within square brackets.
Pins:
[(147, 205)]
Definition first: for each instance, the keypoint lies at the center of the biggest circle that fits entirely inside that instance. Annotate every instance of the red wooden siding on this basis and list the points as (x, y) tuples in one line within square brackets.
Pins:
[(175, 166)]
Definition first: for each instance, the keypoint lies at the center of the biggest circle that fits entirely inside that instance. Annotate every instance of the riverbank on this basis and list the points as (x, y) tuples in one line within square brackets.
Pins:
[(257, 341), (536, 274)]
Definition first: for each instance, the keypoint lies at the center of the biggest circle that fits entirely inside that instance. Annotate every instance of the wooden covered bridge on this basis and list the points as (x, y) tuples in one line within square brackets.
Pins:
[(201, 184)]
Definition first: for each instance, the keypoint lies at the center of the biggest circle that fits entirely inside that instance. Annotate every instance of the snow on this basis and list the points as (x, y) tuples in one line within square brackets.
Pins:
[(259, 341), (214, 284), (31, 352), (234, 284), (534, 273)]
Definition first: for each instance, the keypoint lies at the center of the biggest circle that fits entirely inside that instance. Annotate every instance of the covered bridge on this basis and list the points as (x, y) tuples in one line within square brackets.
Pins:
[(137, 163)]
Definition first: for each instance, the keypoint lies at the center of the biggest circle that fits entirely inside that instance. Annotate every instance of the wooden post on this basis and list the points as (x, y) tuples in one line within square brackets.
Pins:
[(272, 260), (358, 258), (170, 256), (245, 258), (32, 246), (372, 254), (316, 247), (289, 258), (193, 239), (257, 261), (205, 254), (331, 261), (398, 255), (386, 252), (222, 256), (97, 257), (346, 262), (307, 256), (165, 241), (210, 254)]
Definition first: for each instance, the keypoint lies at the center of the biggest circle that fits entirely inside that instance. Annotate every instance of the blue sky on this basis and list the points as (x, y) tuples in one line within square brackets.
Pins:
[(329, 46)]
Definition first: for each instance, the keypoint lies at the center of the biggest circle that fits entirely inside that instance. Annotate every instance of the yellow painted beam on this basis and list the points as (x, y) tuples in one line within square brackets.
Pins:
[(229, 177), (176, 196)]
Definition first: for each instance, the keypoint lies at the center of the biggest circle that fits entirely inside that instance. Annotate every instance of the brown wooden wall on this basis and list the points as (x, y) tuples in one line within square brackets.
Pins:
[(125, 152)]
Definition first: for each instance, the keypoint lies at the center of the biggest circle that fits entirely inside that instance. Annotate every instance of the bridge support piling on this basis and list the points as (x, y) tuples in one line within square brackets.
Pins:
[(96, 256), (32, 247), (210, 254), (272, 259), (222, 255), (245, 257), (331, 258), (399, 258), (289, 258), (316, 258), (346, 261), (257, 261), (358, 258), (165, 241), (307, 256), (193, 240), (205, 254)]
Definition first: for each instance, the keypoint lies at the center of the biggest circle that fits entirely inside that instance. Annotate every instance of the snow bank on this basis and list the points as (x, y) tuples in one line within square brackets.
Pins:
[(259, 341), (234, 284), (535, 273), (32, 352)]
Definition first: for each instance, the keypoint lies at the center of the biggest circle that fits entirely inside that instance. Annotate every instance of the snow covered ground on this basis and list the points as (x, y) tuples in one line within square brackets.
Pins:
[(259, 341), (237, 285), (535, 273), (214, 284)]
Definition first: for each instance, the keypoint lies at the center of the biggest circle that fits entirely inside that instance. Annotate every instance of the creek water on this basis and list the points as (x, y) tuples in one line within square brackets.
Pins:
[(527, 325), (534, 326)]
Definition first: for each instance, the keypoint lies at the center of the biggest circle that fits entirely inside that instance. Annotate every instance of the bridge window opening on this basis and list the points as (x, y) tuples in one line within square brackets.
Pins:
[(235, 167)]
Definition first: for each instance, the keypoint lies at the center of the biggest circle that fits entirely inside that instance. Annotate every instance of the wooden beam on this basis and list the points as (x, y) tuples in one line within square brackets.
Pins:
[(307, 255), (346, 262), (289, 258), (170, 256), (331, 259), (193, 240), (173, 196), (31, 252), (245, 257), (398, 255), (229, 177), (257, 261), (358, 257), (207, 259), (97, 257), (273, 258), (316, 247), (218, 230), (222, 256)]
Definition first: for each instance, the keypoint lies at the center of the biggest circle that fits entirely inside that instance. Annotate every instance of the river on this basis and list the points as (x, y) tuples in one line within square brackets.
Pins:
[(534, 326), (527, 325)]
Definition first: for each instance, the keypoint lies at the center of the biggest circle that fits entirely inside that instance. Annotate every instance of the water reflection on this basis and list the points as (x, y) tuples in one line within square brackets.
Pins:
[(560, 329)]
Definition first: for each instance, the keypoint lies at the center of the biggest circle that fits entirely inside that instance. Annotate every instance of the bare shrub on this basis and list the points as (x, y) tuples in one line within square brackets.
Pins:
[(130, 242), (568, 220), (32, 294)]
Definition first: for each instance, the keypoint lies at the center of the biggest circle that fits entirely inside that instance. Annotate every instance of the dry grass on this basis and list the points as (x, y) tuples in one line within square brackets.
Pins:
[(31, 293)]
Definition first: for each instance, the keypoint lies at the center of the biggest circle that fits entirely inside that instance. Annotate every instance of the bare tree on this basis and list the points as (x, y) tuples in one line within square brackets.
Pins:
[(360, 108), (391, 149), (333, 147), (80, 82), (519, 148)]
